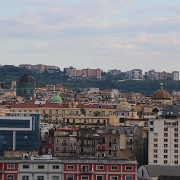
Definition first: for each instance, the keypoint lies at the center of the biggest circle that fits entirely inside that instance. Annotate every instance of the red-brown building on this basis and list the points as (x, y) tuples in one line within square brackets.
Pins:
[(68, 169), (9, 170), (100, 169)]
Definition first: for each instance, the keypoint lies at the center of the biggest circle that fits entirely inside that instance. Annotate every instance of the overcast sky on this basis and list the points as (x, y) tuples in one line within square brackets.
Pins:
[(106, 34)]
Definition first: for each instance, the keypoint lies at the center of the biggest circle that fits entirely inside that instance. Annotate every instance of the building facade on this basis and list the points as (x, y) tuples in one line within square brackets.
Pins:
[(69, 169), (19, 131), (163, 146)]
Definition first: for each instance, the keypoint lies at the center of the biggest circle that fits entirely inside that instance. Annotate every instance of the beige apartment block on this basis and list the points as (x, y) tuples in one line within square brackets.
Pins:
[(164, 141)]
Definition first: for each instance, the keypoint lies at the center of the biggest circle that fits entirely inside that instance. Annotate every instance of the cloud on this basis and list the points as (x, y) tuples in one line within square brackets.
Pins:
[(96, 29)]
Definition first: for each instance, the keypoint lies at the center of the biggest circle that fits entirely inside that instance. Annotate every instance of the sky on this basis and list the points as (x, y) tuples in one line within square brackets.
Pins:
[(106, 34)]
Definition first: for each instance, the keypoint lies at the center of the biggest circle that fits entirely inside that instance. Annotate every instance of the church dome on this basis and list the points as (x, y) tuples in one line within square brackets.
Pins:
[(124, 105), (56, 100), (161, 94), (27, 79)]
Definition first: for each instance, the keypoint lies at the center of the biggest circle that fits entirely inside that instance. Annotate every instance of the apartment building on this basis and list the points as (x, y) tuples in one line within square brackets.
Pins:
[(134, 74), (164, 140), (67, 169), (99, 169), (175, 75), (73, 72)]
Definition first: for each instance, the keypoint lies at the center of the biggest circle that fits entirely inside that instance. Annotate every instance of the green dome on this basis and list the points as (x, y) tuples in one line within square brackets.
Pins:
[(119, 99), (56, 100)]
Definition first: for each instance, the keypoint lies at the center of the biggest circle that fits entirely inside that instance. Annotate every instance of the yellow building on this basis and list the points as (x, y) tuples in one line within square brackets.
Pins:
[(3, 110), (56, 111)]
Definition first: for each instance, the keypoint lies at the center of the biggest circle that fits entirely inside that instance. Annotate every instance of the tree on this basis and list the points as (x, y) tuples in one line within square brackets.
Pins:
[(45, 116), (96, 113), (83, 111)]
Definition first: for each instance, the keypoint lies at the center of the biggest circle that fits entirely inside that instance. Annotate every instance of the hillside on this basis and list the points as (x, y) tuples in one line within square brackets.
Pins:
[(146, 87)]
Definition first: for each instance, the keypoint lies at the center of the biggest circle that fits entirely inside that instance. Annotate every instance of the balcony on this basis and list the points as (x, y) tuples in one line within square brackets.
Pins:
[(85, 170), (101, 148), (115, 150)]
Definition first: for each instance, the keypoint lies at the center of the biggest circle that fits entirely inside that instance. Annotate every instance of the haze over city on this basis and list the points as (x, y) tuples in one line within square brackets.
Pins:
[(103, 33)]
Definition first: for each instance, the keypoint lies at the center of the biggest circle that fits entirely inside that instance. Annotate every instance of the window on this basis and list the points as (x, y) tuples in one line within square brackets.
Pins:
[(165, 145), (99, 178), (121, 120), (85, 168), (175, 135), (155, 161), (165, 161), (165, 156), (85, 178), (165, 134), (165, 129), (175, 156), (175, 140), (114, 178), (70, 177), (55, 178), (151, 122), (55, 166), (176, 129), (175, 162), (176, 145), (155, 134), (155, 150), (128, 168), (175, 151), (114, 167), (128, 177), (155, 145), (40, 178), (151, 129), (155, 156), (25, 166), (165, 151), (99, 167), (41, 167), (155, 140), (11, 166), (10, 177), (165, 140), (70, 167), (25, 177)]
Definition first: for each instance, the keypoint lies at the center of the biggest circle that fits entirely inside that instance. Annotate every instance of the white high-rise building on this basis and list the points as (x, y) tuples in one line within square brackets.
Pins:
[(164, 141), (175, 75)]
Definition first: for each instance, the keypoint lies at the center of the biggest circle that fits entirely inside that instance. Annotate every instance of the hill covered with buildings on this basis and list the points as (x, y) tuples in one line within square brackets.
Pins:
[(9, 73)]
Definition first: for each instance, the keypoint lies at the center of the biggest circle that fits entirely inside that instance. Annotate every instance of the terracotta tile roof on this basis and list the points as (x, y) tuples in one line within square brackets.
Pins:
[(31, 105), (37, 105), (95, 106), (106, 90)]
